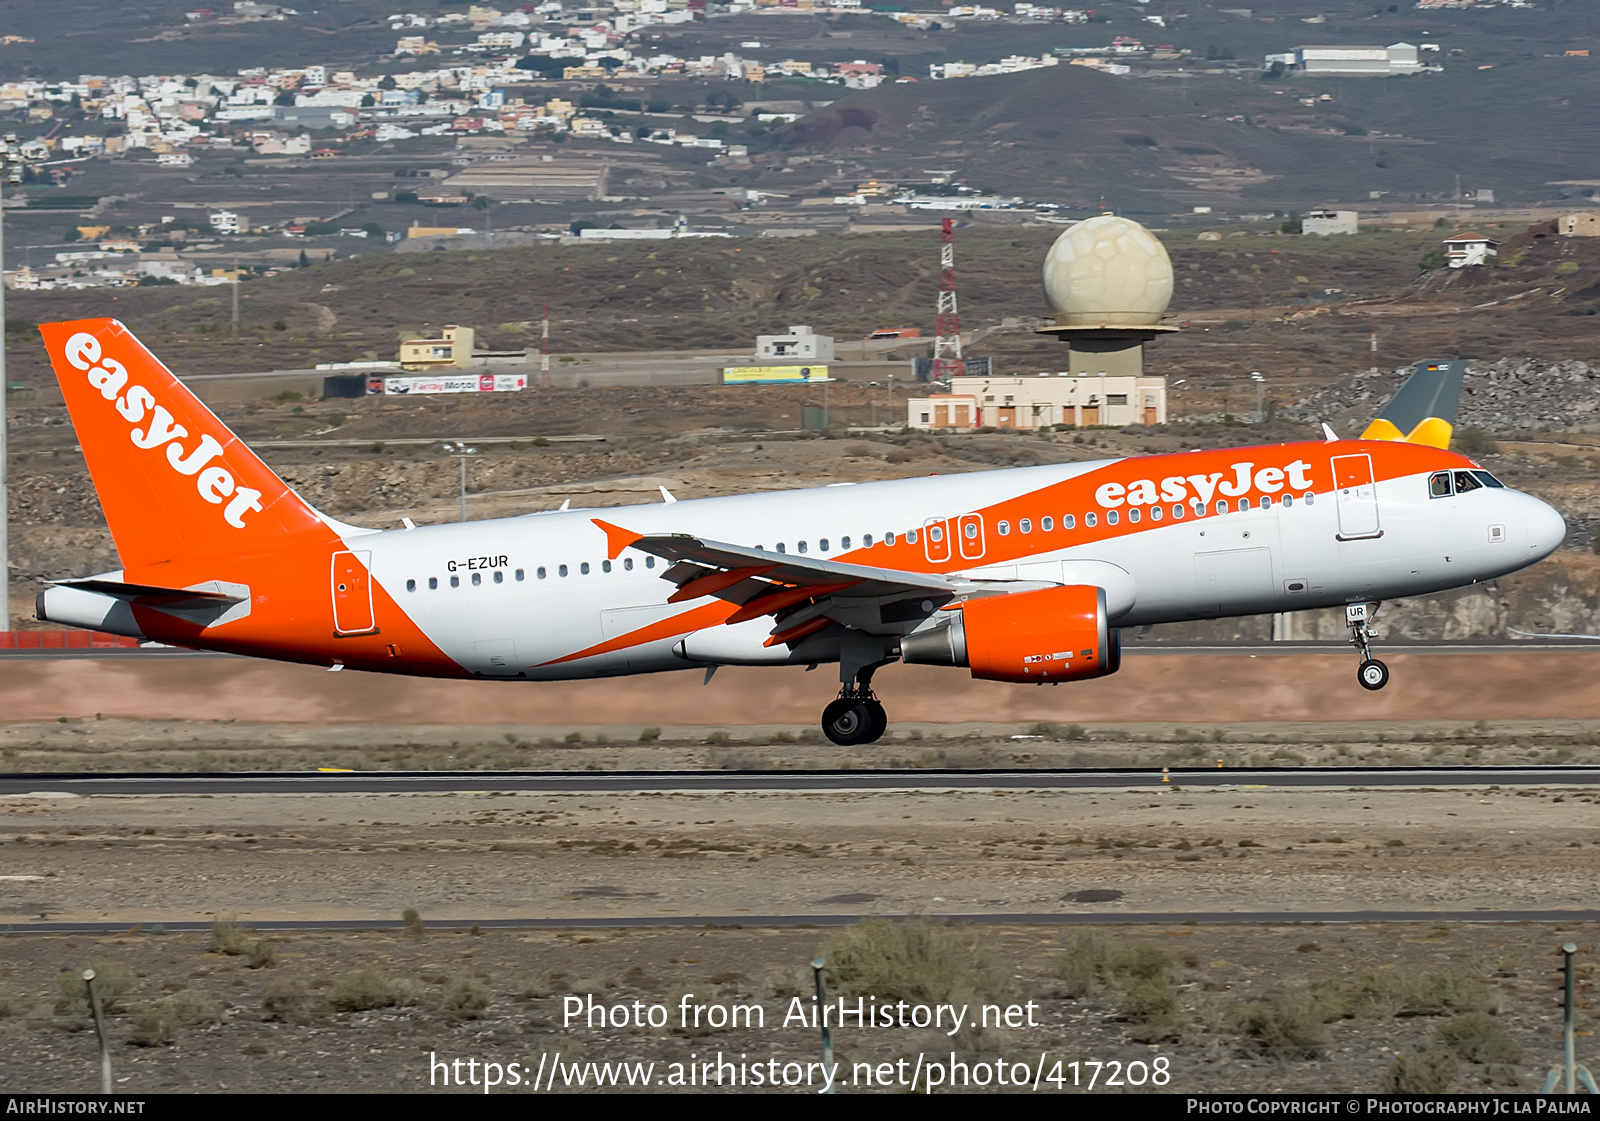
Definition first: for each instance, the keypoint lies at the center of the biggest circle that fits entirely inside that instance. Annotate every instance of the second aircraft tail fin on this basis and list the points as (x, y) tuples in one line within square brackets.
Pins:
[(1424, 409)]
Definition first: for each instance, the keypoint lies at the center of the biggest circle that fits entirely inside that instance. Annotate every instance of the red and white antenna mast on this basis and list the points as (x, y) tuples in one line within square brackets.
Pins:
[(544, 349), (947, 361)]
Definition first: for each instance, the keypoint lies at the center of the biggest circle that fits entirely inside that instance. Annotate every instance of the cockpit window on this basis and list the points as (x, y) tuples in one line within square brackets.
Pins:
[(1465, 482), (1488, 480), (1439, 485)]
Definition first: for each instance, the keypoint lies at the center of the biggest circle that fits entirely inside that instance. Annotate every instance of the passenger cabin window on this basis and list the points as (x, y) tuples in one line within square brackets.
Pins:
[(911, 537), (1177, 509), (822, 546), (649, 562), (1133, 514), (782, 548), (627, 564), (1004, 528), (605, 566), (844, 543), (540, 572), (1155, 513), (1025, 526), (1089, 521), (583, 568), (1069, 522), (499, 577), (1111, 517), (1288, 500), (455, 581), (561, 570), (1047, 524), (888, 538), (1439, 485), (802, 547), (433, 583), (477, 578), (411, 585), (520, 575), (1465, 482), (1222, 506), (1310, 498)]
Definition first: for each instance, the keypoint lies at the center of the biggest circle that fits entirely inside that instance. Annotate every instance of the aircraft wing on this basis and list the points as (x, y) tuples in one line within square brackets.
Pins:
[(784, 585)]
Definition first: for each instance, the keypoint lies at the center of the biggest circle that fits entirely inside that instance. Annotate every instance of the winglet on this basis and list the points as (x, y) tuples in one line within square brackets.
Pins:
[(617, 538)]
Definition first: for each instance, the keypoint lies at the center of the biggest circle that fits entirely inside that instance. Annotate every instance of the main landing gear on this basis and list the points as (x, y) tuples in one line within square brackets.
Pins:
[(1372, 673), (856, 717)]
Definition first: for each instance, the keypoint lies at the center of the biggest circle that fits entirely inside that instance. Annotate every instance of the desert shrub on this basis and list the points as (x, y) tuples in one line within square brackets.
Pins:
[(1292, 1024), (649, 735), (13, 1002), (112, 981), (534, 984), (227, 936), (1150, 1001), (286, 999), (913, 960), (413, 922), (1078, 967), (465, 998), (188, 1008), (1430, 1072), (373, 988), (260, 954), (1438, 994), (1476, 1038)]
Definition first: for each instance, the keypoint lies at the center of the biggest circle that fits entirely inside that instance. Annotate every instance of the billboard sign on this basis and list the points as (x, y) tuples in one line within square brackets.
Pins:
[(772, 375), (458, 383)]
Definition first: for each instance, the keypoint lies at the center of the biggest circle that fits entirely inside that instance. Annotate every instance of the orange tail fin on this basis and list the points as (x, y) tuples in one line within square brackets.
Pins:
[(174, 482)]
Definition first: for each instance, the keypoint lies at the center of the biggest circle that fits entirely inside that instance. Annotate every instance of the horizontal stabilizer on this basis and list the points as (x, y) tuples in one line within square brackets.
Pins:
[(1424, 410), (123, 590)]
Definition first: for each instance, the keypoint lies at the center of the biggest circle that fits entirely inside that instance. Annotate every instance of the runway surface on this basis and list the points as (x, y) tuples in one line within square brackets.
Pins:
[(1082, 918), (634, 782)]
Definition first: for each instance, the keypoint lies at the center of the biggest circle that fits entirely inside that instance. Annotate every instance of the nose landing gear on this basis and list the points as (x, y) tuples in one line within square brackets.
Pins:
[(1371, 673)]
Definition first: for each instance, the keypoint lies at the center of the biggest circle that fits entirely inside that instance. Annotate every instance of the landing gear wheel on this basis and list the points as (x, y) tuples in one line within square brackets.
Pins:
[(878, 721), (848, 721), (1372, 674)]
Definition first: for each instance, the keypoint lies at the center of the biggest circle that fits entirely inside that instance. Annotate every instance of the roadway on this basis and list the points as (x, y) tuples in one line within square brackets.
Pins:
[(1039, 918), (830, 782)]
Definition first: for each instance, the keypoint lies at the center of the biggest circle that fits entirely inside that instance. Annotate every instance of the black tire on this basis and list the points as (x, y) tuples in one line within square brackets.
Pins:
[(848, 722), (879, 721), (1372, 674)]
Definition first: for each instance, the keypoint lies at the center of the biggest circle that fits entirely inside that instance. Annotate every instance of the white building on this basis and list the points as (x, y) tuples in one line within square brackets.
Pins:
[(1355, 62), (1325, 222), (228, 222), (1470, 249), (1042, 401), (800, 343)]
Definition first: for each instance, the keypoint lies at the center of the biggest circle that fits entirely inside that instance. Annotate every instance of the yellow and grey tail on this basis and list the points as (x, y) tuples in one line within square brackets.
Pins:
[(1424, 411)]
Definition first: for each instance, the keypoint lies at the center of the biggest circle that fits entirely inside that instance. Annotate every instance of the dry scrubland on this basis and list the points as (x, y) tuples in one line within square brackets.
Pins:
[(1360, 1008), (123, 745)]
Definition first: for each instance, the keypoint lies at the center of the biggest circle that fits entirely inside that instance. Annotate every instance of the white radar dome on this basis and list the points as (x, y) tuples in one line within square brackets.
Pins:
[(1108, 270)]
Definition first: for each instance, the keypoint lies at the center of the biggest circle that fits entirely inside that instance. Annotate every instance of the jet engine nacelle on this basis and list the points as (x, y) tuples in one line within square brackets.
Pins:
[(1055, 634)]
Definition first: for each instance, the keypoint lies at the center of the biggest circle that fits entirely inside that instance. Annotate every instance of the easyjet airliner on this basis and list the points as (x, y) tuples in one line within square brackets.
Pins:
[(1021, 575)]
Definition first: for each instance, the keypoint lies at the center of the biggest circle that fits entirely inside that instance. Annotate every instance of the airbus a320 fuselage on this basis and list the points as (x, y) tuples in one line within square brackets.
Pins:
[(1020, 575)]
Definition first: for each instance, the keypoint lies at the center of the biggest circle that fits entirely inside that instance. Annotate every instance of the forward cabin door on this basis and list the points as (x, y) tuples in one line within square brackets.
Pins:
[(352, 593), (1357, 496)]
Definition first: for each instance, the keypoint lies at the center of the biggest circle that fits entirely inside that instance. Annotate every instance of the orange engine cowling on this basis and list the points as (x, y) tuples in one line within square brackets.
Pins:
[(1055, 634)]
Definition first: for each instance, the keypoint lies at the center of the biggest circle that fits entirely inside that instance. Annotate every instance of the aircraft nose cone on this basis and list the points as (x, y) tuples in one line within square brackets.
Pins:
[(1546, 528)]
